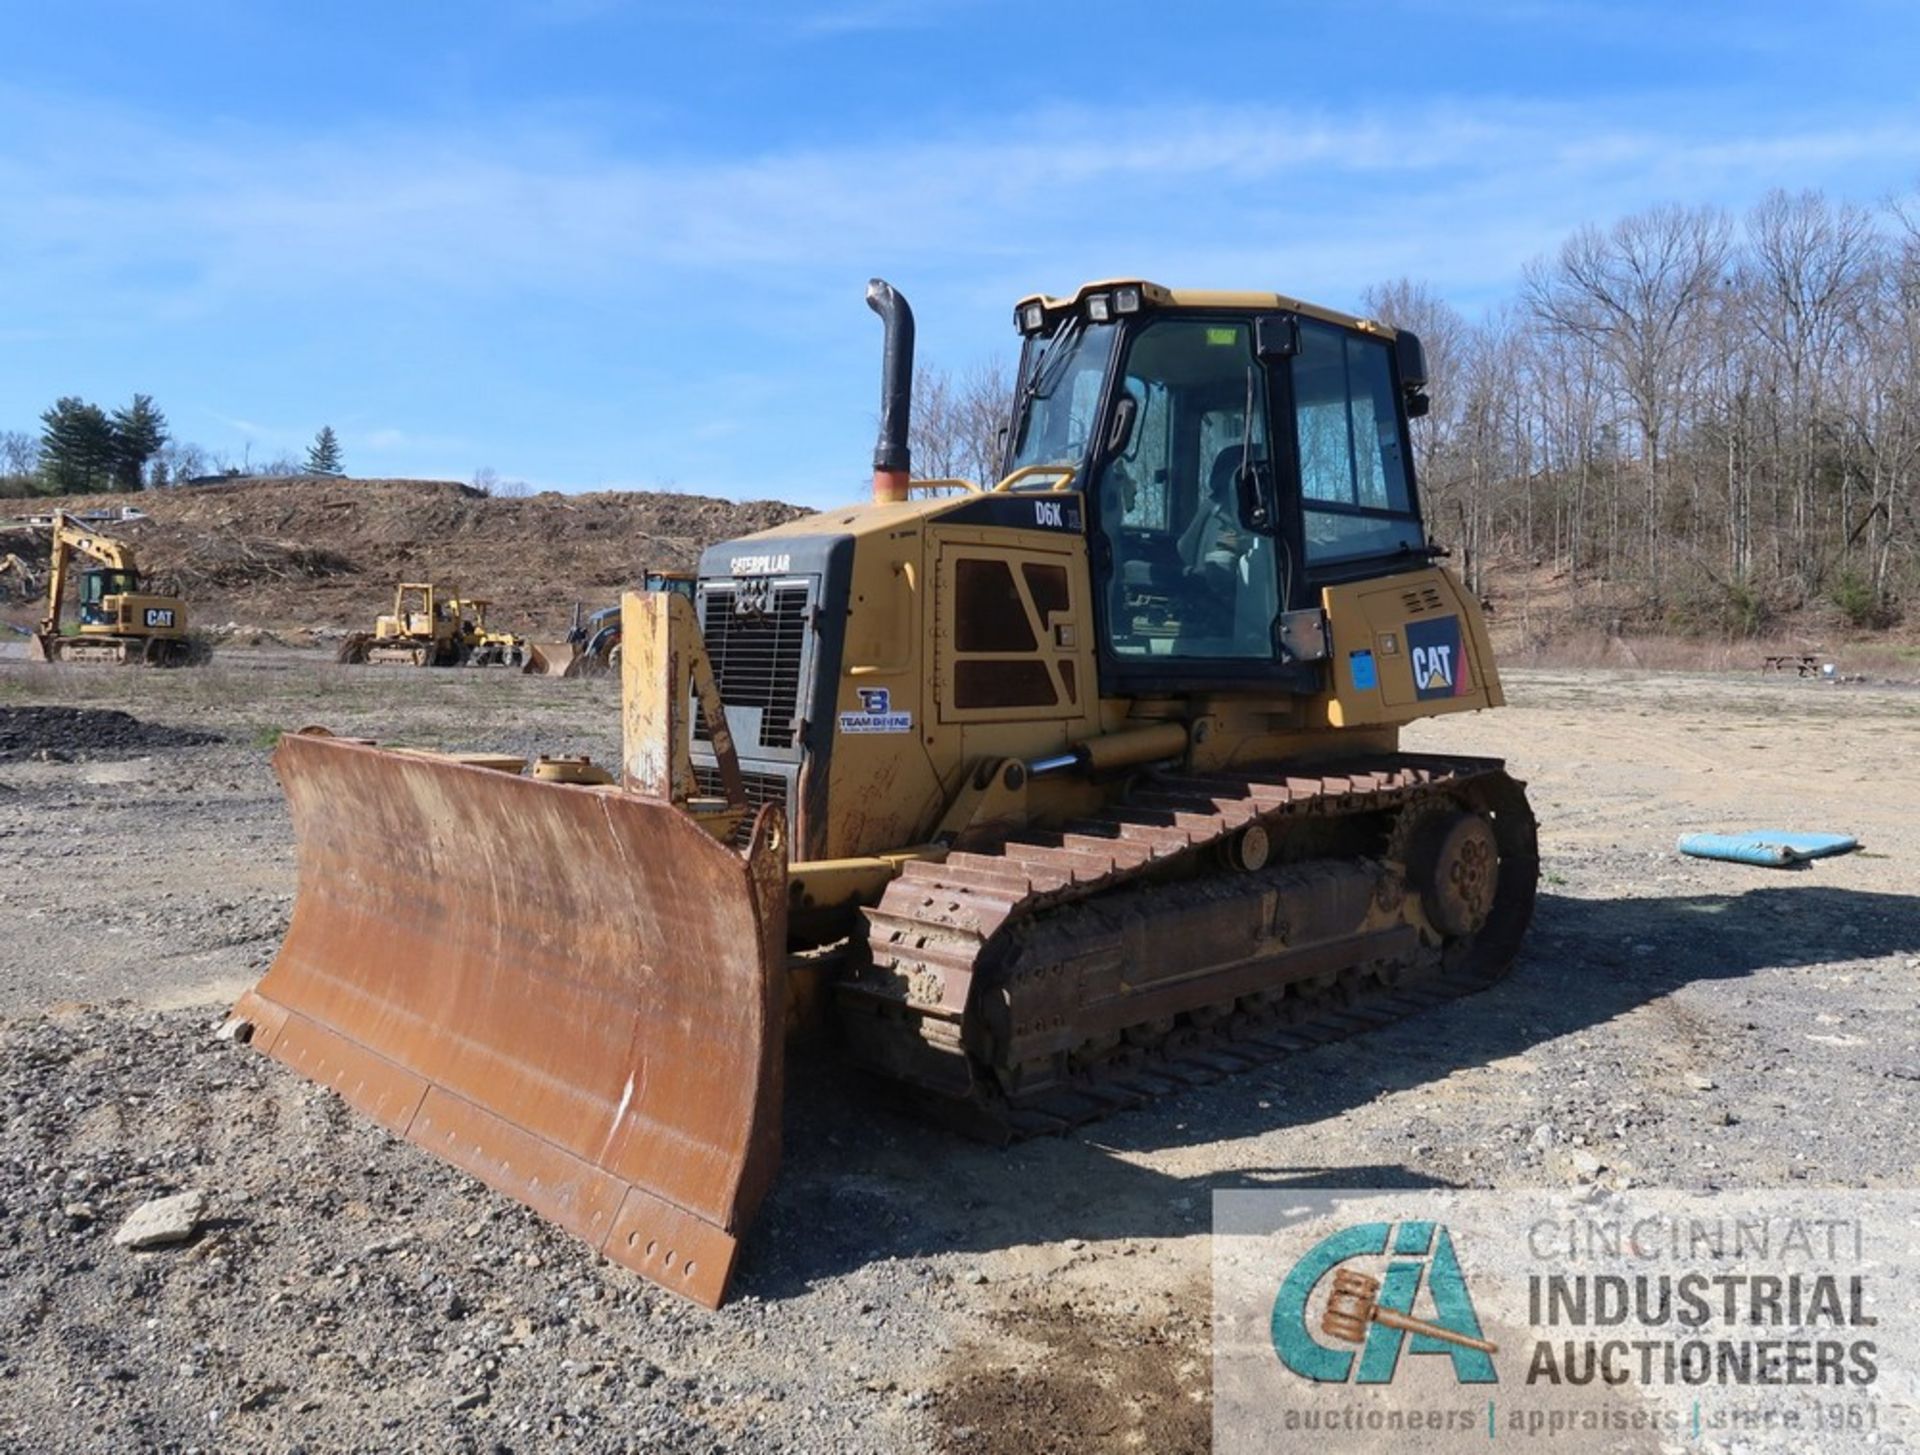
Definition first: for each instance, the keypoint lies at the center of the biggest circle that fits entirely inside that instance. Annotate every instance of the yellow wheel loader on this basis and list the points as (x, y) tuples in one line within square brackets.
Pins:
[(592, 644), (119, 620), (1048, 798)]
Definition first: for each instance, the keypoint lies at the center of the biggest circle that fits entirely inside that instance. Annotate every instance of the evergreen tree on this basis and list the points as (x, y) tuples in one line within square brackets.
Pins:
[(323, 455), (78, 449), (139, 431)]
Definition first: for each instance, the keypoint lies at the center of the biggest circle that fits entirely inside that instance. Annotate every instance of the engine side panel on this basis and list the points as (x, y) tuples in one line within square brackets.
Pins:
[(1406, 647)]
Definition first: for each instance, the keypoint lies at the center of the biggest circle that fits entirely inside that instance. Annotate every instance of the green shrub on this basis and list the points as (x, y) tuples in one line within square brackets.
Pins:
[(1859, 603), (1718, 608)]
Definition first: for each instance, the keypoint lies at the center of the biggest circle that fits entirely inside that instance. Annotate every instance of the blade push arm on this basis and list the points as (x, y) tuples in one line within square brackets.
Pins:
[(664, 669)]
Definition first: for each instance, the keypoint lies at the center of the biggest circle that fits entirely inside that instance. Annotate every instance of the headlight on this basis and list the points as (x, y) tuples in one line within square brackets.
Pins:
[(1030, 318), (1099, 307), (1126, 300)]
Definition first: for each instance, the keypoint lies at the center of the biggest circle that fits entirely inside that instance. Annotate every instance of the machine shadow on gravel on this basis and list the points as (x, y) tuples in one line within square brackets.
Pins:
[(859, 1188)]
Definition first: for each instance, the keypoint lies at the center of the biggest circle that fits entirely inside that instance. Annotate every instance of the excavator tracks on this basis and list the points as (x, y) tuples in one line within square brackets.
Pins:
[(1200, 926)]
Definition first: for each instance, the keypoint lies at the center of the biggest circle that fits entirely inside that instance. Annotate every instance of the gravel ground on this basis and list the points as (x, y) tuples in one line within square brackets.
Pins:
[(1671, 1022)]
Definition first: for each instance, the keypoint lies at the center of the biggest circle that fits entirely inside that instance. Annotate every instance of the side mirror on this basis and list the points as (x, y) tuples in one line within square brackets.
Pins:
[(1252, 496), (1412, 358), (1121, 430), (1276, 335)]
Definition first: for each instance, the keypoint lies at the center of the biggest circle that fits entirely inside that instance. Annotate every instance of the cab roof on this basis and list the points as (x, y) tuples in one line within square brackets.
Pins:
[(1158, 296)]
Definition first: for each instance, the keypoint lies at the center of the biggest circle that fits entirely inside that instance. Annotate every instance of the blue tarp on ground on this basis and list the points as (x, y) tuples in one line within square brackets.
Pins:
[(1773, 848)]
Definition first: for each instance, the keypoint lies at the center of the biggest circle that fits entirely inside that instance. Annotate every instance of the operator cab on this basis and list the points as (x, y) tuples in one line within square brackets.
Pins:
[(97, 583), (1237, 452)]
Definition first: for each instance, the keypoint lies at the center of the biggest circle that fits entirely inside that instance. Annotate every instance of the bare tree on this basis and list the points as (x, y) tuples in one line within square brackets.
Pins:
[(933, 430), (19, 454), (956, 424), (1806, 278), (487, 481), (1639, 293), (184, 461), (1446, 336)]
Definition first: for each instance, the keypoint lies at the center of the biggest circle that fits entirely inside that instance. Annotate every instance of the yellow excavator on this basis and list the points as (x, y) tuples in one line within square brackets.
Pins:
[(1047, 798), (119, 621), (16, 575)]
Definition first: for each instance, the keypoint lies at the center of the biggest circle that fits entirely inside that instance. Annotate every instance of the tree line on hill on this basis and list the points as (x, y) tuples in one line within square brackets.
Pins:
[(1721, 415), (1718, 417), (82, 449)]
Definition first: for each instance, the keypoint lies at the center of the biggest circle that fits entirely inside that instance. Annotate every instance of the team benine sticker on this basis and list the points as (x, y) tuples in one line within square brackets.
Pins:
[(1439, 661), (876, 714)]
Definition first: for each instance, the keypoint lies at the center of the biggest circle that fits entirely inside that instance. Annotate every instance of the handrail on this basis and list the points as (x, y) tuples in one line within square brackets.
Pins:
[(927, 487), (1065, 472)]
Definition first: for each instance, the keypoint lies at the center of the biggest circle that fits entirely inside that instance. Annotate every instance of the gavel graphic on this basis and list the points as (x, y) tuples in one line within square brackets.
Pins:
[(1355, 1302)]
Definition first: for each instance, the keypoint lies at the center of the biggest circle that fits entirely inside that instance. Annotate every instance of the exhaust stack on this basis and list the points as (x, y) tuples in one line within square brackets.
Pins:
[(892, 460)]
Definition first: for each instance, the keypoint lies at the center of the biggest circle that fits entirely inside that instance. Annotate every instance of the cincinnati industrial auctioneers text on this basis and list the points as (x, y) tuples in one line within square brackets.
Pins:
[(1700, 1328)]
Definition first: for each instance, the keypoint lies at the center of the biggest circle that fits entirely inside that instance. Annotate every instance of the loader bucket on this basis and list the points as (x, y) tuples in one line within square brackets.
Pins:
[(570, 992), (549, 659)]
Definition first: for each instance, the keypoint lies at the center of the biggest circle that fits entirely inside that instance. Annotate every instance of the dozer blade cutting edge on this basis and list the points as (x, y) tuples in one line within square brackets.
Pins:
[(570, 992)]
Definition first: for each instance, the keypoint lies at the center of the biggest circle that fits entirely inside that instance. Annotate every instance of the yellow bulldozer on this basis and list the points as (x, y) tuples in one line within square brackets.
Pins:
[(434, 626), (1044, 798), (120, 621)]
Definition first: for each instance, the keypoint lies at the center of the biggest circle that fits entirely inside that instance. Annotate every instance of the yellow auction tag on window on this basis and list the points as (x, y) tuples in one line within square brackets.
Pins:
[(1226, 336)]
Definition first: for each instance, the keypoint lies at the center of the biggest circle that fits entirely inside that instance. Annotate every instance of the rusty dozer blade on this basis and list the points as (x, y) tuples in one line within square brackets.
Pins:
[(570, 992)]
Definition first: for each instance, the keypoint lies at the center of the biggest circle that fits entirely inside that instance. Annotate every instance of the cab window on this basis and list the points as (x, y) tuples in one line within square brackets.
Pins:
[(1353, 471), (1060, 384), (1186, 578)]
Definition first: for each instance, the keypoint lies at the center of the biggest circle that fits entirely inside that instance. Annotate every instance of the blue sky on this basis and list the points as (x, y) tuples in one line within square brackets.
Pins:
[(592, 244)]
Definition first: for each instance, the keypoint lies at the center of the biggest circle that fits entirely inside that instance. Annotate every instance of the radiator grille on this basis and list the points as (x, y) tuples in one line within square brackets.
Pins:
[(761, 788), (757, 656)]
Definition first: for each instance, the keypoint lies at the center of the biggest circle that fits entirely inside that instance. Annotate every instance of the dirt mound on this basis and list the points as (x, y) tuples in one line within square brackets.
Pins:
[(67, 733), (286, 553)]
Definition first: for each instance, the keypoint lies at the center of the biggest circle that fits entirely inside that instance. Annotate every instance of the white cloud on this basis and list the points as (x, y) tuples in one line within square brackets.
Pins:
[(531, 206), (412, 246)]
